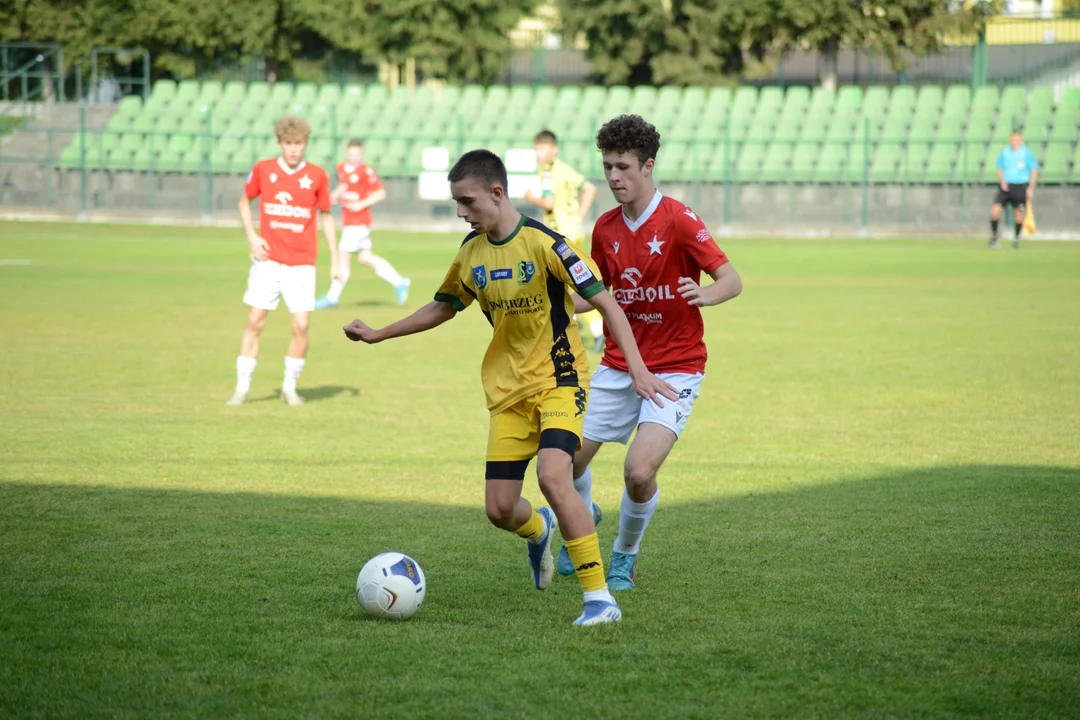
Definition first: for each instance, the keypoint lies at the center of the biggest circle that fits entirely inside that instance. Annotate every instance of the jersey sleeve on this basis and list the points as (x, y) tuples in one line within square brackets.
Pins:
[(572, 179), (454, 289), (565, 262), (698, 242), (374, 183), (1001, 160), (252, 189), (322, 193)]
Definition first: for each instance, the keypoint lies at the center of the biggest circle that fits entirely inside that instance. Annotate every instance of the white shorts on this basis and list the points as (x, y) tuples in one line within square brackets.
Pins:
[(355, 238), (615, 409), (269, 281)]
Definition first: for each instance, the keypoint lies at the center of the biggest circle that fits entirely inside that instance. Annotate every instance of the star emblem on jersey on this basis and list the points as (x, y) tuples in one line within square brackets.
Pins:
[(305, 183), (654, 246), (273, 177), (354, 178)]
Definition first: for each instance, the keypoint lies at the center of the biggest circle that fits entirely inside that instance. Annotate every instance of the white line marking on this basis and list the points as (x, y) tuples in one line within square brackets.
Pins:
[(15, 261)]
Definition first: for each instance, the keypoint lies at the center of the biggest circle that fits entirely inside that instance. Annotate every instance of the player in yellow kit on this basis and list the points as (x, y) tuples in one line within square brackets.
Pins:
[(535, 372), (565, 197)]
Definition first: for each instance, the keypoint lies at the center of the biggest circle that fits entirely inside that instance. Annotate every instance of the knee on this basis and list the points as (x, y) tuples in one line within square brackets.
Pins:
[(553, 482), (256, 325), (500, 513), (300, 327), (639, 477)]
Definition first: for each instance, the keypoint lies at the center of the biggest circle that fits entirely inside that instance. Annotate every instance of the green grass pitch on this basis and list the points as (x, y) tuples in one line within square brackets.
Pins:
[(875, 510)]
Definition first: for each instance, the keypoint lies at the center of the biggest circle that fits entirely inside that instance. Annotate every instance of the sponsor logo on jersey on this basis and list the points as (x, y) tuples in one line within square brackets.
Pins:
[(616, 244), (284, 208), (647, 318), (564, 251), (525, 273), (502, 274), (273, 177), (519, 305), (690, 214), (581, 274), (479, 275), (703, 235), (632, 275), (630, 296)]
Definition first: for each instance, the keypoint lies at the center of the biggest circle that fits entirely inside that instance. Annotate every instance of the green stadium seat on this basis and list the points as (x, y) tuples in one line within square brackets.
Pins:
[(695, 99), (186, 92), (1070, 98), (856, 163), (980, 129), (843, 129), (163, 91), (849, 97), (719, 102), (744, 102), (813, 132), (788, 128), (913, 162), (1012, 105), (281, 94), (618, 100), (803, 162), (1041, 99), (970, 160), (1036, 126), (822, 102), (895, 128), (748, 166), (830, 163), (884, 162), (957, 100), (930, 98), (211, 92), (796, 100), (922, 129), (951, 128), (305, 93), (986, 97), (771, 98), (941, 164), (1075, 176), (1055, 169), (545, 96), (876, 104), (328, 95), (775, 167), (258, 93)]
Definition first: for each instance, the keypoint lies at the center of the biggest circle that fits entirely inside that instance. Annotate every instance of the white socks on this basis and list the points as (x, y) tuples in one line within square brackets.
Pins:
[(245, 368), (338, 286), (386, 271), (293, 368), (633, 519), (604, 595), (583, 485)]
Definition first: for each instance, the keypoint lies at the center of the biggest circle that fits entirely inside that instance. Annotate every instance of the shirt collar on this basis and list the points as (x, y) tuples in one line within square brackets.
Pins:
[(286, 169), (635, 225)]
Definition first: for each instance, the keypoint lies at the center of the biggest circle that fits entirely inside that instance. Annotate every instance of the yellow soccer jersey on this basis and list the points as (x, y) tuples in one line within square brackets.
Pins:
[(523, 285), (563, 183)]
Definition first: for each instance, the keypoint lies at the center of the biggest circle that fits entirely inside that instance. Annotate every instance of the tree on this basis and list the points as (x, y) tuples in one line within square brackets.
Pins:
[(624, 36), (455, 40), (893, 28)]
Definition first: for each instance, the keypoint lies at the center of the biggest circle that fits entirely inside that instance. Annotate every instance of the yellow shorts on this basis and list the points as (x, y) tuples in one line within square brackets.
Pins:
[(514, 433)]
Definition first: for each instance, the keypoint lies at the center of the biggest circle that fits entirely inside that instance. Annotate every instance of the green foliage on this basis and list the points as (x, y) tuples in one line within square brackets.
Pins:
[(458, 40), (623, 36)]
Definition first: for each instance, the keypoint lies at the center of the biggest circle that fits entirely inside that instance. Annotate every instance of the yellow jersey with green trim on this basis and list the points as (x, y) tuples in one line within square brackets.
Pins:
[(523, 284), (563, 184)]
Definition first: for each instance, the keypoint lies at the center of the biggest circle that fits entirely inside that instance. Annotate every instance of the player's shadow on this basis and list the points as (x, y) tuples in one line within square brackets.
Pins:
[(314, 394), (374, 303), (919, 591)]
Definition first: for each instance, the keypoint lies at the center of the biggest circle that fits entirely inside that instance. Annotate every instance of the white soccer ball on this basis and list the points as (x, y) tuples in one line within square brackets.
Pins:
[(391, 586)]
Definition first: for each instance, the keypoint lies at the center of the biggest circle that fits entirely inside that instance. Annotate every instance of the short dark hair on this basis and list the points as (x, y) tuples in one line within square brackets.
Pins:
[(482, 165), (355, 142), (629, 133), (546, 136)]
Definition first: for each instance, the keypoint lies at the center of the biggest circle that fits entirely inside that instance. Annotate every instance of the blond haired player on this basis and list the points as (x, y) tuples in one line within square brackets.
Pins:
[(535, 371), (359, 188), (565, 197), (292, 192)]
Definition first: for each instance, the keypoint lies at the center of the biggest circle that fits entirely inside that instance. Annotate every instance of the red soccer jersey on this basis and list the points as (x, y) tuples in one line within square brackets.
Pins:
[(642, 262), (288, 200), (359, 183)]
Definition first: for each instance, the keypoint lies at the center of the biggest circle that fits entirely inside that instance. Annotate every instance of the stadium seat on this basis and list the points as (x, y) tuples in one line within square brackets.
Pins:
[(913, 162), (744, 102), (884, 162), (803, 162), (875, 105), (856, 163), (951, 128), (971, 159), (1055, 169), (750, 158), (777, 160), (830, 163), (941, 164), (957, 100)]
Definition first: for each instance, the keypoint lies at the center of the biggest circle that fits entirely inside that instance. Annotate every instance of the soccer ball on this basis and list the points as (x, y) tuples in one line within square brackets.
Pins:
[(391, 586)]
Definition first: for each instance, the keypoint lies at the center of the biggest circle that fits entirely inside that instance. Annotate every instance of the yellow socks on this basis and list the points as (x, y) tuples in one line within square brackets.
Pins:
[(534, 528), (589, 566)]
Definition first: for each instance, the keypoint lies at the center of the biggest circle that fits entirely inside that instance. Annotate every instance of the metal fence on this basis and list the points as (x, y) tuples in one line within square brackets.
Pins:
[(859, 181)]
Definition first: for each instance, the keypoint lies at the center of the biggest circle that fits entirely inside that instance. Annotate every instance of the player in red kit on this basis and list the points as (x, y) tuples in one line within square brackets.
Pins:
[(359, 188), (651, 251), (291, 192)]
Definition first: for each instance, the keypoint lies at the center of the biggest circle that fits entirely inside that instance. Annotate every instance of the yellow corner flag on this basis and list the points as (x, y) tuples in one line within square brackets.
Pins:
[(1029, 219)]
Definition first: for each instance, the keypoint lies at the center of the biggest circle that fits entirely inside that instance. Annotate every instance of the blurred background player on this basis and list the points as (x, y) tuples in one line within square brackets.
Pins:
[(358, 189), (1017, 171), (291, 192), (651, 251), (535, 370), (565, 197)]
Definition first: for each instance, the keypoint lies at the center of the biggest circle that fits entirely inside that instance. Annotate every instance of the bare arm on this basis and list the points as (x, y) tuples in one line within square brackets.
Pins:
[(1001, 180), (330, 231), (544, 202), (373, 199), (581, 305), (430, 316), (645, 383), (1031, 184), (260, 250), (588, 194), (335, 197), (726, 285)]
